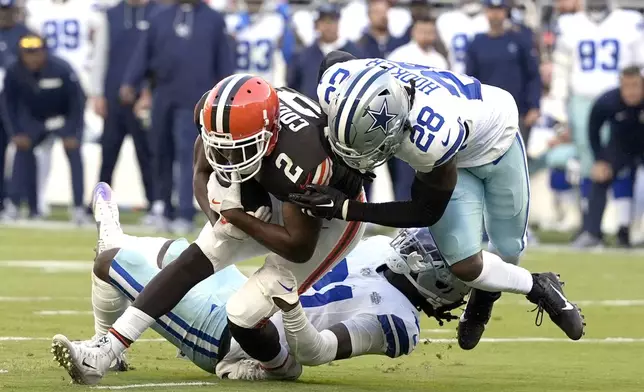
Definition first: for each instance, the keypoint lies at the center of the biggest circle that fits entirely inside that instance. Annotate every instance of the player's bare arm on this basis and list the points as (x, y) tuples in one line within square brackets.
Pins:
[(295, 241), (201, 174)]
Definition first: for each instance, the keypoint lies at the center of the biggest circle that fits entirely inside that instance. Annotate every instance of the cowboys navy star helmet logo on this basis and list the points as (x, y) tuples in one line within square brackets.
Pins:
[(381, 118)]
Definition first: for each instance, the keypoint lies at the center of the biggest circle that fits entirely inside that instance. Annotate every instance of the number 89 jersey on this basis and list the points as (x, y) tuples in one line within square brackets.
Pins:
[(67, 28), (453, 115)]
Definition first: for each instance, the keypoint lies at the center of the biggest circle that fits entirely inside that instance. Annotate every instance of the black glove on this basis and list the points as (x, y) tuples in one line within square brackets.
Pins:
[(321, 201)]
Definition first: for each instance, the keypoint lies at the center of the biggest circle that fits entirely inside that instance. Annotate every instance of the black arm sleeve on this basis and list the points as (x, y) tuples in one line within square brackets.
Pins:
[(425, 208), (430, 193), (337, 56)]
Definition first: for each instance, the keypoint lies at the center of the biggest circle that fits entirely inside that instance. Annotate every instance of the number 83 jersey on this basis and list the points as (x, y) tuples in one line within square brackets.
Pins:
[(596, 52), (453, 115)]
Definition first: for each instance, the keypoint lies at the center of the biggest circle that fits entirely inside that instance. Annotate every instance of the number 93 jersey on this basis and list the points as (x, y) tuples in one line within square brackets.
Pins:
[(453, 115), (596, 52)]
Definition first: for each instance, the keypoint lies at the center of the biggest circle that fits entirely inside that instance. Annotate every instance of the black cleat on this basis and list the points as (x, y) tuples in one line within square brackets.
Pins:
[(547, 293), (623, 237), (476, 315)]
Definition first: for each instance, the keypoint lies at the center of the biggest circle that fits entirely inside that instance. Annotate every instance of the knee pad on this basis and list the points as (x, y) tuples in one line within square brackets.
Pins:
[(623, 184), (558, 180), (249, 306), (509, 251), (254, 301)]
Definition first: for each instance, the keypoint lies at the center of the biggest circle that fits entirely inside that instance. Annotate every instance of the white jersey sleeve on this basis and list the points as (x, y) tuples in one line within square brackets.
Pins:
[(452, 113), (561, 69), (379, 318), (99, 54)]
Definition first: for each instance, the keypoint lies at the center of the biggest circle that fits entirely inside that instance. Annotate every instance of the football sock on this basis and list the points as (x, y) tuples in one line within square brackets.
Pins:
[(108, 304), (624, 207), (312, 347), (276, 362), (128, 328), (497, 275)]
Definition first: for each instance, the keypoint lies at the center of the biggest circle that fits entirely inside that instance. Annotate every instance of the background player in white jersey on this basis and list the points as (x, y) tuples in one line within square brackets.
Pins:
[(368, 304), (592, 47), (462, 139), (72, 29), (258, 32), (458, 27)]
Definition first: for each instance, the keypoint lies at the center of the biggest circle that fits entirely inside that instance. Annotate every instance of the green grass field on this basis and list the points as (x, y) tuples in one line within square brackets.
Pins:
[(41, 296)]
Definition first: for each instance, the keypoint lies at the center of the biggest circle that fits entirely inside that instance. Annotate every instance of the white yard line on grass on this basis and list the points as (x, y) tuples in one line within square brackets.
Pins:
[(63, 312), (42, 299), (28, 339), (161, 385), (74, 266), (611, 340), (543, 340)]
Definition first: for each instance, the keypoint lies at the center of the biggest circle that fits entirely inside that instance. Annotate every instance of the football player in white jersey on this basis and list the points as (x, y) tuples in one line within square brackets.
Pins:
[(462, 139), (458, 27), (71, 29), (258, 32), (369, 303), (592, 47)]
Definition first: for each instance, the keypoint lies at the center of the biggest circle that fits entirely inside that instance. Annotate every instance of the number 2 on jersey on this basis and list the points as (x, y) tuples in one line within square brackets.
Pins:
[(427, 123), (604, 54), (337, 293), (287, 163), (62, 34)]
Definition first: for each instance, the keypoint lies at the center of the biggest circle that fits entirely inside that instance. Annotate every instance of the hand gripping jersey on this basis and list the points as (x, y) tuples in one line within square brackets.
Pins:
[(258, 46), (69, 29), (452, 113), (589, 55), (457, 29)]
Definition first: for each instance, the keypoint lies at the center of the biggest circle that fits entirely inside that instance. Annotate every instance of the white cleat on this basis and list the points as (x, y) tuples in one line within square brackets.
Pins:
[(252, 370), (85, 362), (106, 215)]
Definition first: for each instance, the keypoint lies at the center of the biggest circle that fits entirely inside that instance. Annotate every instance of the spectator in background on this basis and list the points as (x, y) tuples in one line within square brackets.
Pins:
[(43, 98), (126, 24), (73, 31), (505, 57), (420, 50), (421, 10), (623, 109), (303, 71), (377, 41), (187, 50), (10, 33)]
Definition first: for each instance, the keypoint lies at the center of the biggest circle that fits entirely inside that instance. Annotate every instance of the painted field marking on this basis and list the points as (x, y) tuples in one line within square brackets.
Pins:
[(63, 312), (42, 299), (161, 385), (615, 340), (30, 339)]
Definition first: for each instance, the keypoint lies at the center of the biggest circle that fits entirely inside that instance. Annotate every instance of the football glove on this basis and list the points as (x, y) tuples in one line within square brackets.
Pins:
[(224, 198), (322, 201)]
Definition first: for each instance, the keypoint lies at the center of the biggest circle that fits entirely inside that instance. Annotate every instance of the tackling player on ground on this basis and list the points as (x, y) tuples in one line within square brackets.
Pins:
[(369, 303), (239, 121), (462, 138)]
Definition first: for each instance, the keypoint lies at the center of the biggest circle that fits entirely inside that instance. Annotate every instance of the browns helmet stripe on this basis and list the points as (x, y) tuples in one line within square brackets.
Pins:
[(225, 95), (210, 104), (231, 95)]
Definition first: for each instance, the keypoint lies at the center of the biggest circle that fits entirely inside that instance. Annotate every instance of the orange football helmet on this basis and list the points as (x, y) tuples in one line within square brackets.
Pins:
[(239, 125)]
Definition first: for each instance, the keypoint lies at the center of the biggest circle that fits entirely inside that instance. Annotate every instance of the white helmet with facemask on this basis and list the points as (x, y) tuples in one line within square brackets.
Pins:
[(417, 258)]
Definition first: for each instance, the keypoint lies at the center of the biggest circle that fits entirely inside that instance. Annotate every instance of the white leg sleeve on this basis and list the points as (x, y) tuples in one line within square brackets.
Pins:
[(497, 275), (309, 346), (108, 304)]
